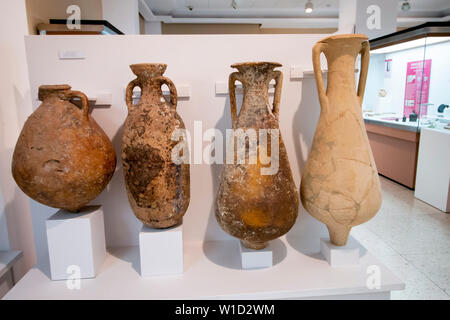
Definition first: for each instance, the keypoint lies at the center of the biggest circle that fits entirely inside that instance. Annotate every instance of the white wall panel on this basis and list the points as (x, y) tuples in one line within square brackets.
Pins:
[(195, 60)]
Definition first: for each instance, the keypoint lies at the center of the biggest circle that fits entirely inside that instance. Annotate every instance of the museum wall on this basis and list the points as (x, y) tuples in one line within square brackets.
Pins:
[(124, 15), (218, 28), (15, 106), (194, 61), (141, 24), (40, 11)]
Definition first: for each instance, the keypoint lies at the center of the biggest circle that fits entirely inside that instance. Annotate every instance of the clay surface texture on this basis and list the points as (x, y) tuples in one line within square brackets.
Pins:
[(62, 159), (340, 184), (252, 206), (158, 189)]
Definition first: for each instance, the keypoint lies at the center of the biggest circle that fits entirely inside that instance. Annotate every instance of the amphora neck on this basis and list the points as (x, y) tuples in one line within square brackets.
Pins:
[(148, 77), (341, 52), (60, 91), (256, 75)]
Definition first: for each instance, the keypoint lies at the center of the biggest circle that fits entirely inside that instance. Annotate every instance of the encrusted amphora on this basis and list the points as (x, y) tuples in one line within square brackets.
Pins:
[(158, 187), (340, 184), (258, 201), (62, 159)]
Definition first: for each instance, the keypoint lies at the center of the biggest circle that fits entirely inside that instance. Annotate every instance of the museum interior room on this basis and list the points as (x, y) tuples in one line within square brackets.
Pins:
[(225, 149)]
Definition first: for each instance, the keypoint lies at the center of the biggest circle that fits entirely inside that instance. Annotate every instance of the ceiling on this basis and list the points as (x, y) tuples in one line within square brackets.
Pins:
[(278, 8)]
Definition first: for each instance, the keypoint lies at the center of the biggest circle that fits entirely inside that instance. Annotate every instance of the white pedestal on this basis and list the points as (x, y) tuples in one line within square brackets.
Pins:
[(339, 256), (76, 243), (256, 259), (161, 251), (433, 170)]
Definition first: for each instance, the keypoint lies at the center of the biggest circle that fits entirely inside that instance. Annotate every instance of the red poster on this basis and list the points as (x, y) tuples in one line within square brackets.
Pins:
[(416, 90)]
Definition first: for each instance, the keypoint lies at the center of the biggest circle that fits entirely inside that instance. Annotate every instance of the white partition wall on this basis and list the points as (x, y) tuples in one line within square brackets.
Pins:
[(195, 61), (15, 223), (123, 15)]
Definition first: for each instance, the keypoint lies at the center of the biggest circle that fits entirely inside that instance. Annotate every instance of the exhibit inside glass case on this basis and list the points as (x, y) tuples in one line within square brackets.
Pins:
[(407, 78), (406, 90)]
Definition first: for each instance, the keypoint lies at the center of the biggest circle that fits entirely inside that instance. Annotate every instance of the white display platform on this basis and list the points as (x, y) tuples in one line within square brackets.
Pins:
[(76, 243), (212, 271), (7, 260), (161, 251), (256, 259), (433, 169), (340, 256)]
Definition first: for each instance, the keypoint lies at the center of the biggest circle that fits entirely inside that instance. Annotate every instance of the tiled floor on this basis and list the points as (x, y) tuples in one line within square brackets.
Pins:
[(412, 238)]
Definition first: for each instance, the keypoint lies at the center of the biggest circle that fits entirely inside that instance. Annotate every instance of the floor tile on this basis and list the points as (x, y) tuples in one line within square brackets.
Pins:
[(412, 233), (417, 293), (417, 285), (435, 266), (372, 242), (412, 239)]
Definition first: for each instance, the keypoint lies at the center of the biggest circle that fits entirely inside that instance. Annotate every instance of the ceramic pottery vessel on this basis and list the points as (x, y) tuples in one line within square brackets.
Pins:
[(62, 159), (340, 184), (252, 204), (158, 188)]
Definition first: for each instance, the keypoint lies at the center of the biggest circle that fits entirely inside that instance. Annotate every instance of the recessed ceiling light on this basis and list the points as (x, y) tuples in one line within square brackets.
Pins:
[(309, 7)]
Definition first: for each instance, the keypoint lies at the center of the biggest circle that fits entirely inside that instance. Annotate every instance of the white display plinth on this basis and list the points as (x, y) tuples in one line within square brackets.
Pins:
[(212, 270), (76, 243), (161, 251), (256, 259), (340, 256), (433, 172)]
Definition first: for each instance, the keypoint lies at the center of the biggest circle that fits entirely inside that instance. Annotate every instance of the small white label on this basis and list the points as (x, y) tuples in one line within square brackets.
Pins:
[(221, 87), (296, 72), (70, 55), (104, 98), (184, 91)]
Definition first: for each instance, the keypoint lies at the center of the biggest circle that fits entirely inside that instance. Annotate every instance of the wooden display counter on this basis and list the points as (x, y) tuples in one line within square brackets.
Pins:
[(395, 151)]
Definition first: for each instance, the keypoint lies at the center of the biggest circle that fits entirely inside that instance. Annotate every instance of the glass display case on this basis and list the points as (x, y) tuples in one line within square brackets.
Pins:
[(408, 84), (408, 88)]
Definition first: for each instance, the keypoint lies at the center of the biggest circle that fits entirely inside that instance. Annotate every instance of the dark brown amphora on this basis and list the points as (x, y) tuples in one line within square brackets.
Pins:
[(158, 188), (252, 204), (62, 159)]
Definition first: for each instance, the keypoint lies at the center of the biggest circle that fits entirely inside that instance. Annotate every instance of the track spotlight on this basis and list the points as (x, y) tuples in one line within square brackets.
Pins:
[(309, 6)]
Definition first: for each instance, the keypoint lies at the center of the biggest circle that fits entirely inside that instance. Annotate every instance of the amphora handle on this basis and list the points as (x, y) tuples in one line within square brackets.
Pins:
[(365, 56), (278, 77), (129, 92), (84, 101), (317, 50), (173, 90), (232, 92)]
